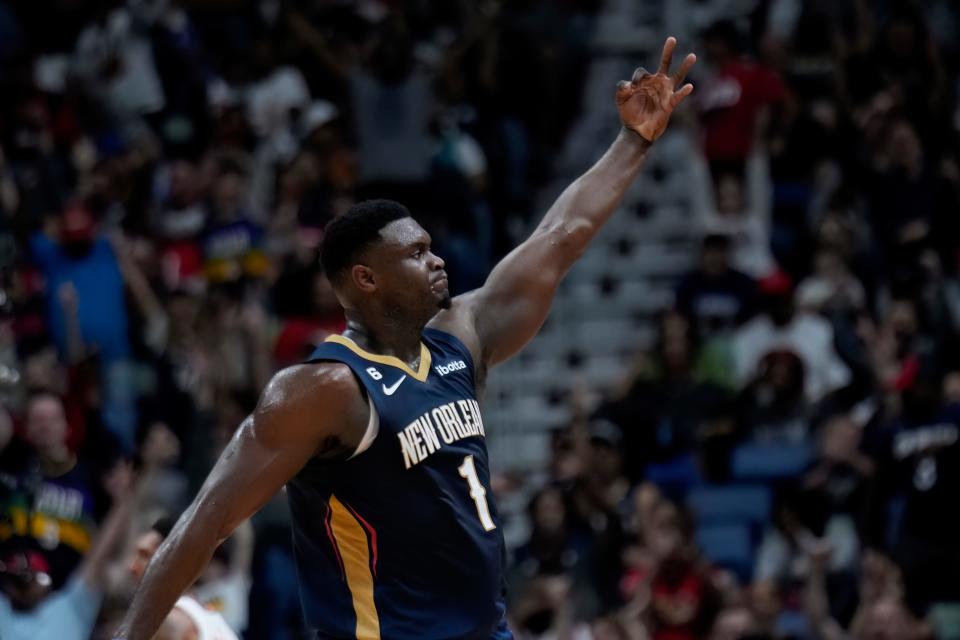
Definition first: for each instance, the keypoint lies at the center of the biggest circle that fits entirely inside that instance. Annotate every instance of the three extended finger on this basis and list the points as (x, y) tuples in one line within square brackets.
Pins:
[(667, 57), (685, 67)]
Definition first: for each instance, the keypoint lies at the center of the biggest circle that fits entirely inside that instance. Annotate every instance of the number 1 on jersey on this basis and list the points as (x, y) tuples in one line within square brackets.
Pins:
[(469, 471)]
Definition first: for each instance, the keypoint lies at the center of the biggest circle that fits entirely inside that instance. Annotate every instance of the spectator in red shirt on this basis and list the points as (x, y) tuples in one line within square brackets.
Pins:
[(733, 100)]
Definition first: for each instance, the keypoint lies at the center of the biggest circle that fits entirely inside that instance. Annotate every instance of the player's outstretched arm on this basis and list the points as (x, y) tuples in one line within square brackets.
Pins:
[(305, 411), (508, 310)]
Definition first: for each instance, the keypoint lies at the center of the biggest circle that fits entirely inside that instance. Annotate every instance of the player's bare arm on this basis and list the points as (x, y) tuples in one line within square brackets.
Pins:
[(496, 320), (306, 411)]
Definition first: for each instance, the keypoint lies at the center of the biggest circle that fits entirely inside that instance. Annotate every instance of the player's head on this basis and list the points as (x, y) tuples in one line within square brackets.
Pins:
[(147, 544), (378, 257)]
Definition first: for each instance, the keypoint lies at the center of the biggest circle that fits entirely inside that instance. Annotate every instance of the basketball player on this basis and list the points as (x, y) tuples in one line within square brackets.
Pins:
[(188, 620), (378, 437)]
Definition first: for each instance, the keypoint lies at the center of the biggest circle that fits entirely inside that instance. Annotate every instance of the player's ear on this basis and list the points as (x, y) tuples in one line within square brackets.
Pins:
[(363, 278)]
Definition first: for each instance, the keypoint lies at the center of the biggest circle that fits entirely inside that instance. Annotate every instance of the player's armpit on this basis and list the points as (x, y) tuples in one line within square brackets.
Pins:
[(504, 314)]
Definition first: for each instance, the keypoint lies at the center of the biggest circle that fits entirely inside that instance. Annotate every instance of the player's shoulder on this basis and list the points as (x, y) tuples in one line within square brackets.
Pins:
[(324, 383), (323, 376), (315, 404)]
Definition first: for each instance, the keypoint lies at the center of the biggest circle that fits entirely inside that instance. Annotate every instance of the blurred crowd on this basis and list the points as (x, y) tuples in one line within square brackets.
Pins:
[(782, 463), (166, 173)]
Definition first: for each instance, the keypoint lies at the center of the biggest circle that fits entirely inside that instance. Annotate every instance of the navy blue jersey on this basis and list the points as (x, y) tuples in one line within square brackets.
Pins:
[(402, 540)]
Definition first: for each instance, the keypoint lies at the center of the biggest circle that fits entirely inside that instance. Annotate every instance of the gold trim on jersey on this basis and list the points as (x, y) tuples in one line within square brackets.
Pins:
[(420, 374), (351, 541)]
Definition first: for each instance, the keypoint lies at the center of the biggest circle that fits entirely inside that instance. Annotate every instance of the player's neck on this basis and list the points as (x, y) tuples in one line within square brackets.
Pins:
[(388, 336)]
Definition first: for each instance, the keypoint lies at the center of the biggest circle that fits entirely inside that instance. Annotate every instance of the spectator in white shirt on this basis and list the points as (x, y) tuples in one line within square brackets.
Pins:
[(781, 328), (832, 287)]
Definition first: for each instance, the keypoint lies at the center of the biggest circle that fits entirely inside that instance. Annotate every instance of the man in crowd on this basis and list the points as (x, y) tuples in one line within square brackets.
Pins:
[(31, 610)]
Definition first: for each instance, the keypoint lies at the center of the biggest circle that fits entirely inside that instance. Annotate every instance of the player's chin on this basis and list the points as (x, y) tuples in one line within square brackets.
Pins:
[(441, 292)]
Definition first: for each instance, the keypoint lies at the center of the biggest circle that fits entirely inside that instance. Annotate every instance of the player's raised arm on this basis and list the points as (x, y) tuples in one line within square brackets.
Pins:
[(305, 411), (513, 303)]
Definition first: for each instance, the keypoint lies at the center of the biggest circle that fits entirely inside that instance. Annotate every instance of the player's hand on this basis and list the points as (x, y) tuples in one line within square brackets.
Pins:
[(646, 102)]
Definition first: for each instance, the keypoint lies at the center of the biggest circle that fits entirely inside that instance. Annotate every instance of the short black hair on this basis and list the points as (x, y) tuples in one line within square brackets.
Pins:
[(164, 525), (356, 230)]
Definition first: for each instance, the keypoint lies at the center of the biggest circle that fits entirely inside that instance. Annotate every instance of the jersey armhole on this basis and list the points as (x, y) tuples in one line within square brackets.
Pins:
[(457, 344), (373, 429), (373, 423)]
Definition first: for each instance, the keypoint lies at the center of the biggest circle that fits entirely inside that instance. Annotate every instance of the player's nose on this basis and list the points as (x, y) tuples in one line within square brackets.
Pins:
[(436, 262)]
